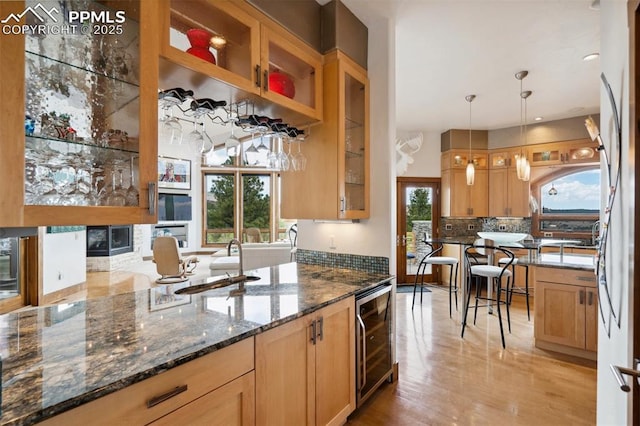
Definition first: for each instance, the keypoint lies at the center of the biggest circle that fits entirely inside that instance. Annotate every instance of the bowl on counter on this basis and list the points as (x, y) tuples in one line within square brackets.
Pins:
[(503, 237)]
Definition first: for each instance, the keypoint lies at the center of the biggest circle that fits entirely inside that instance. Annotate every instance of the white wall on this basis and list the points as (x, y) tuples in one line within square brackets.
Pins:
[(426, 162), (613, 406), (63, 259), (373, 236)]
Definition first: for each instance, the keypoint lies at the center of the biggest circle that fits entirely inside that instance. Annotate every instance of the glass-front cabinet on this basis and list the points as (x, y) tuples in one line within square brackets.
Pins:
[(83, 145), (336, 182), (234, 53), (581, 151)]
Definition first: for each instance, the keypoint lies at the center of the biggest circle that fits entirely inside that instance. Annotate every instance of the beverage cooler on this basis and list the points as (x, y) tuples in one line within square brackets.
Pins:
[(373, 340)]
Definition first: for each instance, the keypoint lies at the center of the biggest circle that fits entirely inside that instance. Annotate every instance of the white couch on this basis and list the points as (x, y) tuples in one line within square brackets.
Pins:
[(254, 255)]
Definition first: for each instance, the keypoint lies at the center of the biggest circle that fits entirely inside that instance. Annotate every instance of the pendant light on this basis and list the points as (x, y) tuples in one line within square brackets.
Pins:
[(471, 172), (553, 191), (523, 168)]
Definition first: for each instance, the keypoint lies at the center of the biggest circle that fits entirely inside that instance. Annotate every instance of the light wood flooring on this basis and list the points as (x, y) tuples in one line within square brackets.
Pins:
[(446, 380)]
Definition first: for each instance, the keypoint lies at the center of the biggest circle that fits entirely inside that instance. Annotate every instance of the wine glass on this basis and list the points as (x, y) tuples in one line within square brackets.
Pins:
[(283, 157), (117, 195), (132, 196), (232, 144), (251, 155), (195, 138), (299, 160), (171, 127)]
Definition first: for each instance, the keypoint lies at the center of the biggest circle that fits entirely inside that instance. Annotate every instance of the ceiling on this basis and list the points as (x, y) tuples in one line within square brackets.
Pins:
[(447, 49)]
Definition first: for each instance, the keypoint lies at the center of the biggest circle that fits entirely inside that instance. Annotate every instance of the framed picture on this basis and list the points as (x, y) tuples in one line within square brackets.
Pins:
[(163, 297), (174, 173)]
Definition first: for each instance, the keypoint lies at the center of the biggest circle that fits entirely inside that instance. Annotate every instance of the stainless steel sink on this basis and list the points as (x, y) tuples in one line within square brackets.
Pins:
[(223, 282)]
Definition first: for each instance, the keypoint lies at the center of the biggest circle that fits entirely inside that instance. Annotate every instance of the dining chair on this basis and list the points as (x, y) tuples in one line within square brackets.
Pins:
[(431, 259), (478, 268)]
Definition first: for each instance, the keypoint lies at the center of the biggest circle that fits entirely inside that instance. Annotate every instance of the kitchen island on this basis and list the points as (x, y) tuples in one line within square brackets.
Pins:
[(59, 357)]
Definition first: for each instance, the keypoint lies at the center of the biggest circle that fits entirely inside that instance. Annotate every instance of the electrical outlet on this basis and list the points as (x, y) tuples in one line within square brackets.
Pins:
[(471, 227), (448, 227), (332, 242), (502, 227), (548, 234)]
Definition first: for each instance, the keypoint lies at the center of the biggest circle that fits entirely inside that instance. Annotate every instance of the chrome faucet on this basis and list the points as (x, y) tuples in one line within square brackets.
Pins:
[(595, 233), (239, 244)]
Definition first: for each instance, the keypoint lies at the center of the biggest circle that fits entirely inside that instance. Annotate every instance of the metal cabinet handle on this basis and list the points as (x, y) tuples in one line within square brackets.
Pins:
[(582, 297), (343, 204), (265, 82), (152, 198), (165, 396), (590, 298), (258, 75), (320, 328), (313, 332), (619, 371), (363, 351)]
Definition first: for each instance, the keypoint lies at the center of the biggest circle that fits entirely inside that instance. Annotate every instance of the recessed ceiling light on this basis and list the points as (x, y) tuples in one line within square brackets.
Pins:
[(537, 119), (591, 56)]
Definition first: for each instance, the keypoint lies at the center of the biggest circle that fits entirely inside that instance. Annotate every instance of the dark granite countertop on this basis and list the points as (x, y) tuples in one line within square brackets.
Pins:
[(531, 244), (58, 357), (554, 260)]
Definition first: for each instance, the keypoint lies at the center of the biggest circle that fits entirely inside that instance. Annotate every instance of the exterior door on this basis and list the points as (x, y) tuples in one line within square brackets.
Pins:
[(418, 215)]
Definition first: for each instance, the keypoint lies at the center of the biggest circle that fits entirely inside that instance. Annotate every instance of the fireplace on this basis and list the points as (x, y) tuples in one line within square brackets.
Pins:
[(109, 240)]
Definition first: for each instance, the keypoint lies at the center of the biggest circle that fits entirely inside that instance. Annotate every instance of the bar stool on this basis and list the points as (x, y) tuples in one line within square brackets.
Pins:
[(476, 269), (514, 289), (430, 259)]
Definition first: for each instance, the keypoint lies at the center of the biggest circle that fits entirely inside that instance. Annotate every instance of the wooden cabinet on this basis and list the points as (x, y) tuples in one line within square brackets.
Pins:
[(335, 183), (305, 369), (214, 389), (81, 116), (252, 59), (458, 198), (462, 200), (580, 151), (566, 311), (508, 195)]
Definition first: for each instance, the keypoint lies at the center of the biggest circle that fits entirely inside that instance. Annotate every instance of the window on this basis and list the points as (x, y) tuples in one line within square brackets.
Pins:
[(569, 203), (242, 193)]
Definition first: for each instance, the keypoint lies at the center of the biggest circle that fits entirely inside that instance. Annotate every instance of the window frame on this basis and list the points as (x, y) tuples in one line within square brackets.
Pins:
[(538, 217)]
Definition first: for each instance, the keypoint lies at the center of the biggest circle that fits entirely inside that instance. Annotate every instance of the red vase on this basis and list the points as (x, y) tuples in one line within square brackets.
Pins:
[(282, 83), (199, 40)]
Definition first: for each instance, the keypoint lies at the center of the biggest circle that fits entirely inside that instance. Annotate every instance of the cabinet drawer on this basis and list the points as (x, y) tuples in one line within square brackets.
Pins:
[(566, 276), (129, 405)]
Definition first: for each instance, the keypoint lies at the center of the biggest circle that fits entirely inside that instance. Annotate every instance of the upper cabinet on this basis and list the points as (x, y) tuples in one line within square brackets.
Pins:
[(78, 105), (458, 198), (335, 183), (508, 195), (581, 151), (233, 52)]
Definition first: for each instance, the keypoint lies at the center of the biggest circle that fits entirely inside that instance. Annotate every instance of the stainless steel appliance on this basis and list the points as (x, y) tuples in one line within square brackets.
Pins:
[(373, 340)]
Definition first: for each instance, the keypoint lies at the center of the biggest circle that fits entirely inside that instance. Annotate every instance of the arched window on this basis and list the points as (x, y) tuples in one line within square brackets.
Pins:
[(568, 203)]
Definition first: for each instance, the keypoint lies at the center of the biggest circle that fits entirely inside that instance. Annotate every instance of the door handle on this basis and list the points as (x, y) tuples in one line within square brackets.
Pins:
[(313, 332), (363, 351), (619, 371), (404, 240), (152, 198), (258, 75), (321, 328)]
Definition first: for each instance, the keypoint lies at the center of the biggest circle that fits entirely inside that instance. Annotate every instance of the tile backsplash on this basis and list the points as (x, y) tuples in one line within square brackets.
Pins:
[(450, 227), (373, 264)]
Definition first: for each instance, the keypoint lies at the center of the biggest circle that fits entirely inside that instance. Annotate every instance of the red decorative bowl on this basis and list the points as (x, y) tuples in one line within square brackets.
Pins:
[(282, 83), (199, 40)]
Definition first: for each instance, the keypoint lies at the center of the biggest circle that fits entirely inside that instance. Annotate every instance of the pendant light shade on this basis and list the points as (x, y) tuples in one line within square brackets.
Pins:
[(553, 191), (471, 171), (523, 168)]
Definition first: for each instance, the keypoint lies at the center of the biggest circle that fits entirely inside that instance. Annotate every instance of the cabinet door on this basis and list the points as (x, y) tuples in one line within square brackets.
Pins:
[(560, 314), (498, 192), (215, 38), (231, 404), (353, 142), (545, 154), (77, 110), (335, 363), (459, 194), (291, 72), (518, 195), (479, 194), (583, 151), (591, 319), (285, 374)]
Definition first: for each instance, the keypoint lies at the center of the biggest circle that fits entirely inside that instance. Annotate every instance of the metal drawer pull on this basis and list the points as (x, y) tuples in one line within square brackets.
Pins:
[(590, 279), (321, 328), (313, 332), (152, 198), (162, 398)]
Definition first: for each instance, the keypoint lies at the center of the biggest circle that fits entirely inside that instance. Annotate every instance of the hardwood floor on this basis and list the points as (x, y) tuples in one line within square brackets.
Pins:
[(446, 380)]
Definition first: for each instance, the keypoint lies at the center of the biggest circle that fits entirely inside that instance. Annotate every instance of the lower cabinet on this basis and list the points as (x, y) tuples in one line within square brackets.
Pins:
[(216, 389), (305, 369), (566, 311)]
